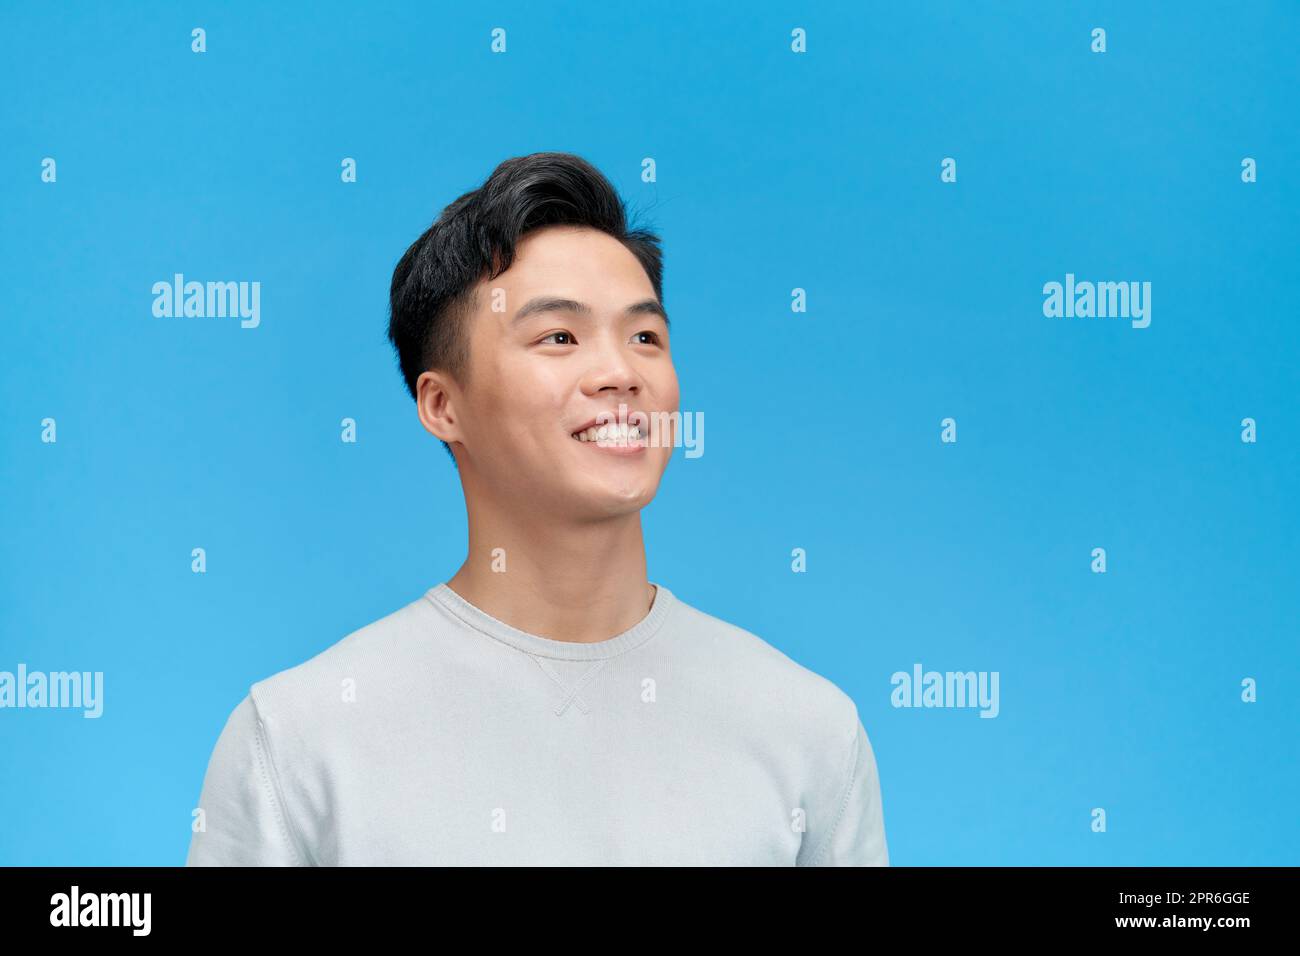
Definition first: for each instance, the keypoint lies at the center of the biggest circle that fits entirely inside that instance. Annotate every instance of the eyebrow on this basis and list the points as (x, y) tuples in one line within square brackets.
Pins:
[(547, 303)]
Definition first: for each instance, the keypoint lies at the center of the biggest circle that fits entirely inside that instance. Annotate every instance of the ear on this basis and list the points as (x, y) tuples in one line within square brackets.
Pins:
[(435, 397)]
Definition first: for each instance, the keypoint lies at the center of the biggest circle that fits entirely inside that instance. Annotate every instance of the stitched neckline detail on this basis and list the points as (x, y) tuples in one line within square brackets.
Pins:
[(475, 617)]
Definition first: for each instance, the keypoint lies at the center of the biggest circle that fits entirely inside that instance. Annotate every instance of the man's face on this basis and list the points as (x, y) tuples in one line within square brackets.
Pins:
[(536, 378)]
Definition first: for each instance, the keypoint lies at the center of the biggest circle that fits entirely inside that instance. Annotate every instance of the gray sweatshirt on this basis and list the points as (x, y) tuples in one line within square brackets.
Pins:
[(439, 735)]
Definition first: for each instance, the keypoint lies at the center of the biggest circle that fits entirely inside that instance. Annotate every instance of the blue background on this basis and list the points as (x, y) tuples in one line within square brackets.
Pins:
[(775, 171)]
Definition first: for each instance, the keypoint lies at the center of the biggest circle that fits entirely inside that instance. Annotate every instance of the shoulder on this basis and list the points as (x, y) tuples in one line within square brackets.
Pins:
[(329, 690), (282, 746), (755, 669)]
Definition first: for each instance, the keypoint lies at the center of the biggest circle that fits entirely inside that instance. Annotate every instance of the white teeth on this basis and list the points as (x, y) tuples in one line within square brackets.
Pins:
[(613, 433)]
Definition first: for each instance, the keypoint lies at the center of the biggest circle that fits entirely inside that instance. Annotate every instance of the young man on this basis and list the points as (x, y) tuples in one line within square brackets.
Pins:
[(548, 704)]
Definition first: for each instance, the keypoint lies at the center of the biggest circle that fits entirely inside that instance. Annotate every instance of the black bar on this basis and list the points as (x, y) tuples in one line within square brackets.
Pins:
[(972, 903)]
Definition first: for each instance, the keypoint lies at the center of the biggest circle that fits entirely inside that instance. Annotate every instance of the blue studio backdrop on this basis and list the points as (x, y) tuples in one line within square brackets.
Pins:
[(921, 459)]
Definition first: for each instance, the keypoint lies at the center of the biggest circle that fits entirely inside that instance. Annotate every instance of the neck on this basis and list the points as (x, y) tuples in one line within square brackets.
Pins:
[(566, 581)]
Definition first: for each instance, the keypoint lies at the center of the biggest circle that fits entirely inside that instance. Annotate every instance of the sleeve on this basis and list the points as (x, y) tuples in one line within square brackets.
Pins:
[(244, 822), (857, 834)]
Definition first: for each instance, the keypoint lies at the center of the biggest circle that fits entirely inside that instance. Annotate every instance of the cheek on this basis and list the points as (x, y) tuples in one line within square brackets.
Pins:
[(520, 396), (534, 387), (669, 392)]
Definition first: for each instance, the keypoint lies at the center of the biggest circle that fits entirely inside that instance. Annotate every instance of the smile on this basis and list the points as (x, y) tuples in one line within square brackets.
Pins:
[(613, 433)]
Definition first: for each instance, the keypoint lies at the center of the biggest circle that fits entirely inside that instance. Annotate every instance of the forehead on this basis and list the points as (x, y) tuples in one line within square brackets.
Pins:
[(567, 259)]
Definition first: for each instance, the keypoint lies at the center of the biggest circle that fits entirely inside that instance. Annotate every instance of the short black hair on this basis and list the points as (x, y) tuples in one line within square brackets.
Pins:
[(434, 284)]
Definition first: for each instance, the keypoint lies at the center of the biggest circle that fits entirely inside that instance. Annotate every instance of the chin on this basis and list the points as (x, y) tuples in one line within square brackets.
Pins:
[(611, 502)]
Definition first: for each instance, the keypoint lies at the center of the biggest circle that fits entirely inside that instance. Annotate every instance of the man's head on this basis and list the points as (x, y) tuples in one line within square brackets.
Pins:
[(526, 311)]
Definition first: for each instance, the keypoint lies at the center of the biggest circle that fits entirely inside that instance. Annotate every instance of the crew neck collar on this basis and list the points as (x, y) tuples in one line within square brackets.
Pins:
[(475, 617)]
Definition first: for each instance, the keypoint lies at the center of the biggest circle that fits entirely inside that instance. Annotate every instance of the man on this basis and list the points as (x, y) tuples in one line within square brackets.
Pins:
[(548, 704)]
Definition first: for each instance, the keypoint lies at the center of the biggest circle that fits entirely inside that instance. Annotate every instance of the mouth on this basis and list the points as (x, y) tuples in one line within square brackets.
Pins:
[(613, 434)]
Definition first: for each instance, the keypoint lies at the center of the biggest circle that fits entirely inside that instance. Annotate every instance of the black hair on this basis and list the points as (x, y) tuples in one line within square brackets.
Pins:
[(434, 285)]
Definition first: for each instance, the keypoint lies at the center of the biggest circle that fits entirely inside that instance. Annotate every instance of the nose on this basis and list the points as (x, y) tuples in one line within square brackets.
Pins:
[(611, 370)]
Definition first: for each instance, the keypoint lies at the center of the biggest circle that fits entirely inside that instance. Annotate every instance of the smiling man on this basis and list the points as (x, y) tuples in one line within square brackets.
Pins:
[(548, 704)]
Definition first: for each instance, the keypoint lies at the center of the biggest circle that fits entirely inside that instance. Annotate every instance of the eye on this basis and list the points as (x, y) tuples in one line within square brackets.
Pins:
[(568, 335), (654, 337)]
